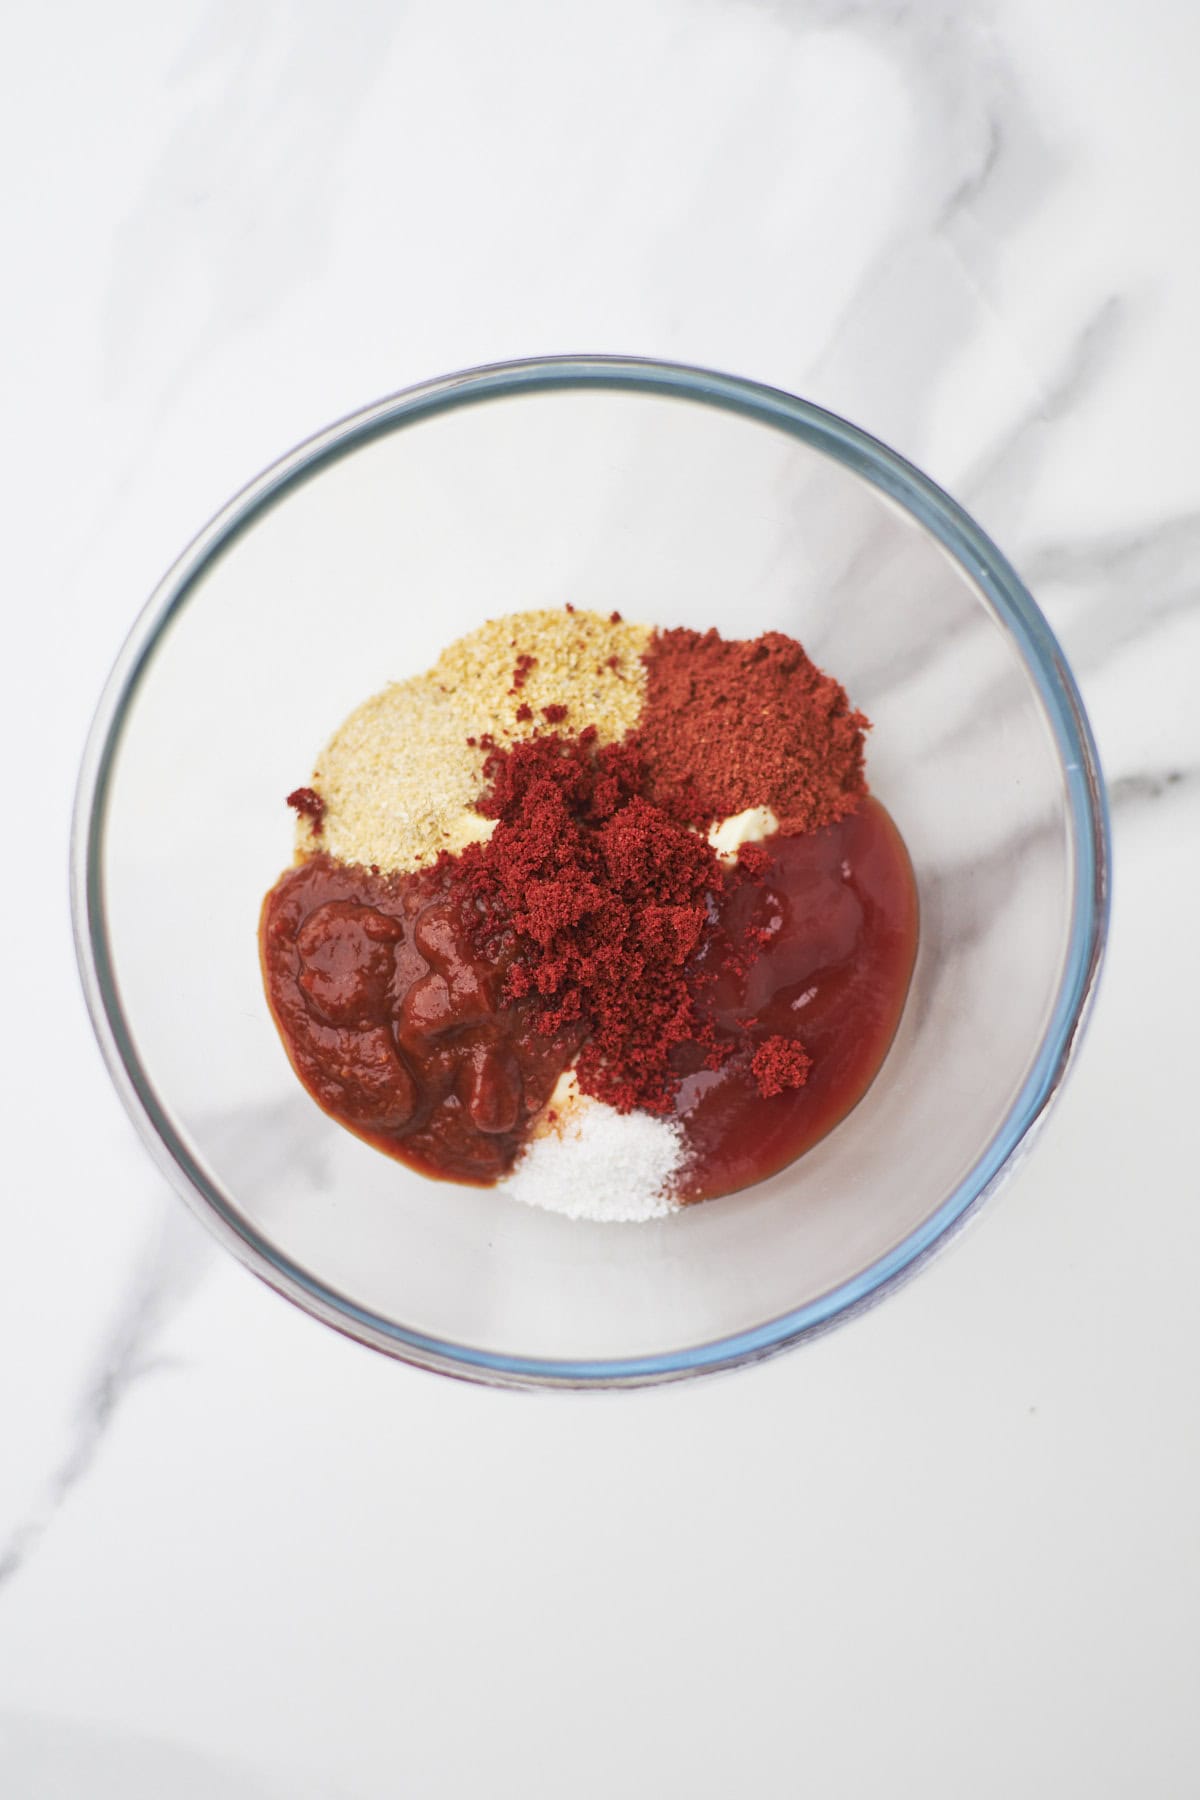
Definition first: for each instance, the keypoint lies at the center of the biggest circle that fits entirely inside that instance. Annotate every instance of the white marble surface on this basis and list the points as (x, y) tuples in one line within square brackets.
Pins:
[(950, 1550)]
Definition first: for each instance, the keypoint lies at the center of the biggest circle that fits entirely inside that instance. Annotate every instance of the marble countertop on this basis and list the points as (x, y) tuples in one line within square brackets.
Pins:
[(949, 1550)]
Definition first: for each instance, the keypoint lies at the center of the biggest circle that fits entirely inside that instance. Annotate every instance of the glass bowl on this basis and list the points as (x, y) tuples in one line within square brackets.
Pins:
[(681, 497)]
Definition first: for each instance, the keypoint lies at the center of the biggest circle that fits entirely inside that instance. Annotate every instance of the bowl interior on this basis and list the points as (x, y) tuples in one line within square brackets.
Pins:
[(676, 512)]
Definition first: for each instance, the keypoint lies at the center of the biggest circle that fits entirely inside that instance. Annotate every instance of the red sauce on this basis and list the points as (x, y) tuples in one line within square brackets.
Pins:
[(839, 906), (404, 1035), (309, 805), (392, 1026)]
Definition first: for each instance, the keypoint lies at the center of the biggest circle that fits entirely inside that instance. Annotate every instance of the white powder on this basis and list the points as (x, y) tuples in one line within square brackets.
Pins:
[(601, 1164)]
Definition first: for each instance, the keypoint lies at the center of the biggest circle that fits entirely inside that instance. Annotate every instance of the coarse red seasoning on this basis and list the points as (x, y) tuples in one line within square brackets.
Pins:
[(597, 895), (778, 1064)]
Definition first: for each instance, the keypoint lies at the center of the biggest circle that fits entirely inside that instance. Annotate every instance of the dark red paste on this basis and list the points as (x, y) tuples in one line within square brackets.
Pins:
[(309, 805), (394, 1026)]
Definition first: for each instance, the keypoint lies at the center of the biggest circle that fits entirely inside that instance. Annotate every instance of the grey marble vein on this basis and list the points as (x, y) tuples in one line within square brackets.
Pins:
[(1128, 791), (172, 1267), (1123, 582), (1087, 357), (979, 149), (975, 137), (1154, 551), (263, 1144), (975, 180), (1007, 466), (1104, 593)]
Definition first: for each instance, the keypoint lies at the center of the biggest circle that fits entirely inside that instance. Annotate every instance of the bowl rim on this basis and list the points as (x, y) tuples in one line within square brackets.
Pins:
[(964, 541)]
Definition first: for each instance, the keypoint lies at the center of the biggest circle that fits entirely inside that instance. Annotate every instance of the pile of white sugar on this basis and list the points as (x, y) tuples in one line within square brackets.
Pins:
[(616, 1168)]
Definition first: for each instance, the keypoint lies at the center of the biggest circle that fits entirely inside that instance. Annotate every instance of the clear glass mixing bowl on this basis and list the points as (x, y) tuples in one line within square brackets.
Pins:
[(681, 497)]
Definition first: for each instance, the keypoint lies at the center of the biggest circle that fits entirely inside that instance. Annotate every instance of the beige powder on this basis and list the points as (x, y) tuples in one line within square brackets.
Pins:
[(399, 778), (571, 668)]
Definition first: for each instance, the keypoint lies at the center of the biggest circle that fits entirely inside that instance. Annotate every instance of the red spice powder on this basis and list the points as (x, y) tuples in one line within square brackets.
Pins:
[(780, 1063), (733, 724), (601, 901), (753, 860), (309, 805)]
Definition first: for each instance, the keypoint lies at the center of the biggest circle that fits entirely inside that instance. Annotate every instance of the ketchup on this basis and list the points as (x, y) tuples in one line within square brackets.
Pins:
[(836, 921)]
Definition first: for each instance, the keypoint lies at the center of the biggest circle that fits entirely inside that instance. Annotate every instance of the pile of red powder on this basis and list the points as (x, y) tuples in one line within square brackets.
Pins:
[(596, 901), (596, 891), (733, 724)]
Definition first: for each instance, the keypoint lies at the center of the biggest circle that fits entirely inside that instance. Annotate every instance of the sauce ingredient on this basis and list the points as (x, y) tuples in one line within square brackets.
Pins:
[(586, 669), (599, 901), (393, 1025), (779, 1063), (308, 804), (603, 1165), (730, 725), (397, 783), (607, 914), (728, 836), (828, 985)]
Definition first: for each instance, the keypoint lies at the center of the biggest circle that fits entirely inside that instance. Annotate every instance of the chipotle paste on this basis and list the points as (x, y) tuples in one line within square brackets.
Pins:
[(591, 925)]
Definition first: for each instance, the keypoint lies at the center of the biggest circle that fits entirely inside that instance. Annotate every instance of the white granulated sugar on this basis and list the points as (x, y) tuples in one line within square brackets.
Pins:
[(617, 1168)]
